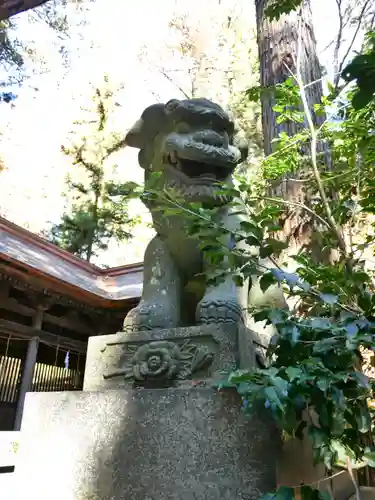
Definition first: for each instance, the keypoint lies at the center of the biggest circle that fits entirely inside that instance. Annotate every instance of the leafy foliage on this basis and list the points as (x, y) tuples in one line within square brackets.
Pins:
[(287, 108), (362, 69), (312, 381), (277, 8)]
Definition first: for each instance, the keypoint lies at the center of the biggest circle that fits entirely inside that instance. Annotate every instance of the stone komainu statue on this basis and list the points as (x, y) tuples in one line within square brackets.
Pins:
[(190, 144)]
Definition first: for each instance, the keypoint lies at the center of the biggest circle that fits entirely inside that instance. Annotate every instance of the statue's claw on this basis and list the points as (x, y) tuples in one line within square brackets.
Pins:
[(148, 317), (219, 311)]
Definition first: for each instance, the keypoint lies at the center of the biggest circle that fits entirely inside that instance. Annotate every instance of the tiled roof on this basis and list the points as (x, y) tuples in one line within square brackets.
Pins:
[(61, 271)]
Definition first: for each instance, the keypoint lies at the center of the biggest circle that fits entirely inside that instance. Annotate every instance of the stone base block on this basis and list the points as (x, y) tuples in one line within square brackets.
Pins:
[(143, 445), (106, 353)]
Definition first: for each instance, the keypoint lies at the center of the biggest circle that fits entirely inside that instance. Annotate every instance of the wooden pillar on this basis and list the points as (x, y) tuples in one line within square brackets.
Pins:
[(28, 368), (38, 318)]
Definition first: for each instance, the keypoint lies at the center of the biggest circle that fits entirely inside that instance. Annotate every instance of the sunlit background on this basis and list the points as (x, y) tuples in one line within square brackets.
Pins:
[(134, 44)]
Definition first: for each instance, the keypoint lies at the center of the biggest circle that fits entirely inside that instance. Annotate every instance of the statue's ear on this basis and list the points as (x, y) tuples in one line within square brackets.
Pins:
[(134, 136), (147, 127)]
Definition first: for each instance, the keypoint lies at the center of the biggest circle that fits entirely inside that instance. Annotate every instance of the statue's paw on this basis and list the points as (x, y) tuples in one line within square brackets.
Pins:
[(219, 311), (149, 317), (138, 319)]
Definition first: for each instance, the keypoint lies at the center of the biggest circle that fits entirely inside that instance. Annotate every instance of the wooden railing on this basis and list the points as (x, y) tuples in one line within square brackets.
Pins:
[(54, 378), (18, 375), (10, 373), (46, 378)]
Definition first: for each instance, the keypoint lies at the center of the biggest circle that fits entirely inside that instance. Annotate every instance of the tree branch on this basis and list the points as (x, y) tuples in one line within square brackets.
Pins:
[(170, 79), (338, 45), (293, 204), (360, 19), (334, 226)]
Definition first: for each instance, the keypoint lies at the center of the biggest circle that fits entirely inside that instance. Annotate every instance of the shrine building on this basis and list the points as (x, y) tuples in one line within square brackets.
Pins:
[(51, 302)]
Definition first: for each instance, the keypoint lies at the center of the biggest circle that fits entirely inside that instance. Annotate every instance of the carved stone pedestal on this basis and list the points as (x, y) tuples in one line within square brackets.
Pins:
[(177, 357), (152, 428)]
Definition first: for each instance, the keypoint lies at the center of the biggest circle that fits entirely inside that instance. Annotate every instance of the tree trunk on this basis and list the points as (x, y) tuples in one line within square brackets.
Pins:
[(278, 46)]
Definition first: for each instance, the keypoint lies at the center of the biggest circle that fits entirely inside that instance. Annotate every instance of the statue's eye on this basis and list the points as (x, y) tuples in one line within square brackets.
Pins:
[(172, 105)]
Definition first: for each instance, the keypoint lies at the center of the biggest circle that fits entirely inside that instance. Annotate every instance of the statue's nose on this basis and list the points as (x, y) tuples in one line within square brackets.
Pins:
[(212, 138)]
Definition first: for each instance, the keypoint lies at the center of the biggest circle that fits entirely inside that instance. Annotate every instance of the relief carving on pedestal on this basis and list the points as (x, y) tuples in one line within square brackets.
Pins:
[(163, 361)]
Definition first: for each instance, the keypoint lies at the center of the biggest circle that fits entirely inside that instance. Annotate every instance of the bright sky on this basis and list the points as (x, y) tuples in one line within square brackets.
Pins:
[(109, 42)]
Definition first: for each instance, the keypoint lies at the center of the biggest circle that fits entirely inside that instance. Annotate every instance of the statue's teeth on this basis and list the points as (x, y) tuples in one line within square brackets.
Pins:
[(173, 158)]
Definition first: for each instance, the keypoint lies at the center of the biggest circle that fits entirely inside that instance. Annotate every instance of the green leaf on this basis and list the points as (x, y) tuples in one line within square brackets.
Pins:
[(324, 383), (276, 316), (261, 316), (341, 453), (267, 280), (363, 419), (361, 379), (329, 298), (272, 397), (293, 372), (238, 279), (266, 251), (324, 345), (351, 329), (309, 493), (277, 245), (280, 383), (361, 98), (295, 334), (320, 324), (324, 495), (252, 241), (318, 437), (243, 388), (369, 457), (252, 229), (279, 7), (283, 493)]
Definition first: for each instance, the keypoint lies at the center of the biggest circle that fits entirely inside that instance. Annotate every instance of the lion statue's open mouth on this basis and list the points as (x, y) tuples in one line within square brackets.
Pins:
[(202, 156)]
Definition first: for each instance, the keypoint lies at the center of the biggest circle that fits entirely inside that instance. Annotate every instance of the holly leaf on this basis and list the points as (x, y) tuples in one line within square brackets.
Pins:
[(272, 397), (309, 493), (285, 493), (293, 372), (266, 251), (363, 419), (295, 334), (325, 345), (361, 379), (277, 245), (329, 298), (267, 280), (238, 279), (369, 457)]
